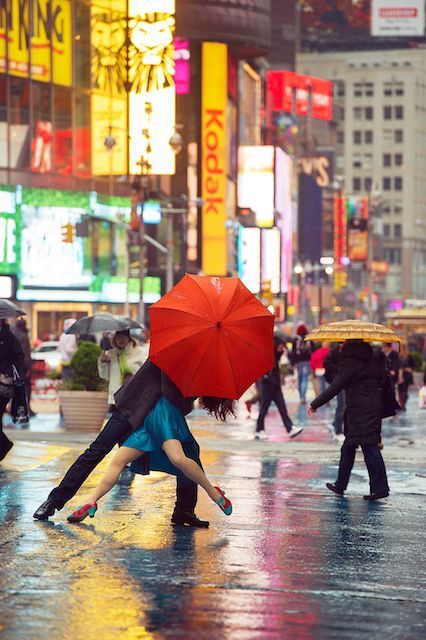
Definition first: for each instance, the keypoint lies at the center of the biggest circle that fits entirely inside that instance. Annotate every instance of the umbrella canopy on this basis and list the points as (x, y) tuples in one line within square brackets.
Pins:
[(102, 322), (211, 336), (353, 330), (9, 310)]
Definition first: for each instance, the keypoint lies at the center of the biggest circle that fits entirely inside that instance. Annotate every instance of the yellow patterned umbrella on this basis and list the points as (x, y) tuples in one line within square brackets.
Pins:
[(353, 330)]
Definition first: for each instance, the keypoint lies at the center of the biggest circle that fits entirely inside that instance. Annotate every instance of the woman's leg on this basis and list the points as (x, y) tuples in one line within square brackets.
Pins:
[(123, 456), (176, 455)]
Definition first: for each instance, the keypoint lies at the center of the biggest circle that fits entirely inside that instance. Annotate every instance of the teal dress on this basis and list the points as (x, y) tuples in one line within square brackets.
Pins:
[(163, 422)]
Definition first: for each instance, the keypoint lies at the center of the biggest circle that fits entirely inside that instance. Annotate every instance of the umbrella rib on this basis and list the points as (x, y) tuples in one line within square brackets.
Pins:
[(207, 344)]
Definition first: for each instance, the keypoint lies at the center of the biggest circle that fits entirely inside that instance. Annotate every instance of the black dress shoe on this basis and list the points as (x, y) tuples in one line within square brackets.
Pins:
[(189, 519), (334, 489), (377, 496), (45, 510), (5, 450)]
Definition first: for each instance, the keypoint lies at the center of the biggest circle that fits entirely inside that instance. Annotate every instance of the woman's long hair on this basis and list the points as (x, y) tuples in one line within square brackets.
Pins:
[(220, 408)]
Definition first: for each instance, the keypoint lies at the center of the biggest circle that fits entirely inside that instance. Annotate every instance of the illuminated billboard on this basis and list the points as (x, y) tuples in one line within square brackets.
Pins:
[(10, 231), (339, 239), (182, 57), (151, 77), (300, 94), (214, 157), (397, 18), (249, 257), (40, 31), (256, 185), (271, 258), (284, 209)]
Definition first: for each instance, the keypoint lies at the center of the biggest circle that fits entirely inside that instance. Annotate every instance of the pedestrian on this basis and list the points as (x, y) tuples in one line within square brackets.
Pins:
[(255, 398), (392, 357), (271, 391), (134, 402), (120, 362), (67, 347), (405, 375), (360, 373), (331, 362), (20, 330), (317, 367), (163, 428), (11, 355), (299, 357)]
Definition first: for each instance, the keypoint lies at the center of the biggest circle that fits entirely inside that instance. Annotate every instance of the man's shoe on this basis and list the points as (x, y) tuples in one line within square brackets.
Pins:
[(377, 496), (45, 510), (189, 519), (333, 488), (5, 450), (294, 431), (260, 435)]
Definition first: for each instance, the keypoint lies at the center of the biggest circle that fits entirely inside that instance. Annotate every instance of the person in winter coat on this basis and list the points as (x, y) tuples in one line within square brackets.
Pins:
[(405, 375), (360, 372), (271, 391), (118, 364), (392, 357), (11, 354), (20, 330), (299, 357), (149, 414), (317, 366)]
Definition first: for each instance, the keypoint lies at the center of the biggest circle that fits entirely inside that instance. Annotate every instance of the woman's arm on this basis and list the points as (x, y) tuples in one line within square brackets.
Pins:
[(339, 382)]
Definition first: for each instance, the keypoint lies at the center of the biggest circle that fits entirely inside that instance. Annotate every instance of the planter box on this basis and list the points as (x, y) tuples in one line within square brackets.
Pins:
[(83, 410)]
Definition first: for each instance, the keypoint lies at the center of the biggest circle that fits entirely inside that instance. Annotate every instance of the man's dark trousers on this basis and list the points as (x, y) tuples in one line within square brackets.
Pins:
[(373, 461), (116, 431), (272, 392)]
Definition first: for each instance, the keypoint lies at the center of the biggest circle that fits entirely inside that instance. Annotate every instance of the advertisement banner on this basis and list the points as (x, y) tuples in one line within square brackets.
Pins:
[(294, 92), (271, 258), (45, 27), (10, 230), (357, 245), (283, 205), (256, 187), (249, 258), (309, 218), (108, 117), (213, 155), (397, 18), (340, 240)]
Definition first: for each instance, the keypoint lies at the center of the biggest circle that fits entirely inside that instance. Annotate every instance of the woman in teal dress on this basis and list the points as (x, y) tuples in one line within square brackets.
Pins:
[(164, 428)]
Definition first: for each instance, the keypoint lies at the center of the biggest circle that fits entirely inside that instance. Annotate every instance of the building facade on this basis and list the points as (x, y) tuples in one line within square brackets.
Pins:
[(381, 150)]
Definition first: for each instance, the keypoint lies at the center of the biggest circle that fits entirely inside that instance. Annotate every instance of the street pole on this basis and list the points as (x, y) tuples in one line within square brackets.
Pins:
[(141, 271), (169, 247)]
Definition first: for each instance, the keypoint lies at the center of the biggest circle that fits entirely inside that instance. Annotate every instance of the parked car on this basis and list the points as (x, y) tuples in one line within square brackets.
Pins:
[(47, 352)]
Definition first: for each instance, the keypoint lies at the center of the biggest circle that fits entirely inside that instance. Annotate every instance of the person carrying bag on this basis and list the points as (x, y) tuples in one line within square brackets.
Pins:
[(11, 364)]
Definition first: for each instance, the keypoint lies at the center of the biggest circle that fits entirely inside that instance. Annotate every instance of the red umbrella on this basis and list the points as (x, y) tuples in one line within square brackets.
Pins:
[(211, 336)]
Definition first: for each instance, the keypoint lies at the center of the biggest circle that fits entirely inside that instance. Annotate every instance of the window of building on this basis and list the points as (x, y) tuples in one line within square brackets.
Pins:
[(4, 155), (397, 208), (399, 135), (340, 88), (399, 112), (357, 113), (398, 159), (357, 161), (387, 160), (356, 184), (367, 161), (357, 137), (368, 112), (357, 90), (397, 183), (399, 90), (341, 137), (385, 209), (397, 230), (387, 89), (388, 136), (386, 230), (368, 183), (393, 255), (368, 137), (386, 184), (63, 131), (387, 113), (369, 89), (19, 125)]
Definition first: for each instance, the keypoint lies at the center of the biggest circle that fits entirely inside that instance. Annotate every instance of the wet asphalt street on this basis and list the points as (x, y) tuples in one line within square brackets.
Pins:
[(293, 562)]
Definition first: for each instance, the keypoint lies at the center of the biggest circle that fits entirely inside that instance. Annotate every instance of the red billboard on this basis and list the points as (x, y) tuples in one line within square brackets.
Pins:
[(296, 93)]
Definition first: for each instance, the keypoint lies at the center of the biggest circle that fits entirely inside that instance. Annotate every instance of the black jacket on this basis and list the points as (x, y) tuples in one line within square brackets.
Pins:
[(273, 377), (137, 397), (10, 351), (360, 372), (331, 363), (301, 350)]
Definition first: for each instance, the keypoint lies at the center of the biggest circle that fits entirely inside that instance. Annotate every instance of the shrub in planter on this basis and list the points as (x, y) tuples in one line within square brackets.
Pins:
[(84, 369)]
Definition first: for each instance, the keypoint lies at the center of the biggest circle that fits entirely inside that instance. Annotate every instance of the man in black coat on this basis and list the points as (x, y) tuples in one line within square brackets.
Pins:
[(133, 402), (392, 356), (10, 354), (360, 373)]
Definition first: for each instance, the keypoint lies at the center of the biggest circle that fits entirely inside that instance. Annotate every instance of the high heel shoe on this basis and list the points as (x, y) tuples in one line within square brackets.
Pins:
[(82, 512), (223, 502)]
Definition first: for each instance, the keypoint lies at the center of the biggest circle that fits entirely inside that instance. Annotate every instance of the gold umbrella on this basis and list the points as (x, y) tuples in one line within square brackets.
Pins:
[(353, 330)]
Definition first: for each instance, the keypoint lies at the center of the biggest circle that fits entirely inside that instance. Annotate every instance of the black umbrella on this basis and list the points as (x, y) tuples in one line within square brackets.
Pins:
[(101, 322), (9, 310)]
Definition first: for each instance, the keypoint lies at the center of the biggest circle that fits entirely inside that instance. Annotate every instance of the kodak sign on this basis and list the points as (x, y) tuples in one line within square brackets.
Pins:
[(213, 157)]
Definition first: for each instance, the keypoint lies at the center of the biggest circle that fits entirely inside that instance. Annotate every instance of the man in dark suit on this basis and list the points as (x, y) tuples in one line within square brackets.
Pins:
[(133, 403)]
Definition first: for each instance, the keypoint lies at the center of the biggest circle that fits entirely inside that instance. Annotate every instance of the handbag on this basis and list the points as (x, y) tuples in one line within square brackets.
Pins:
[(390, 405), (7, 384), (19, 409)]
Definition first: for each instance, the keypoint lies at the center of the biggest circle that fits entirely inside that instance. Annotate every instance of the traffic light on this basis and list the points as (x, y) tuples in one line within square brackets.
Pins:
[(67, 232)]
